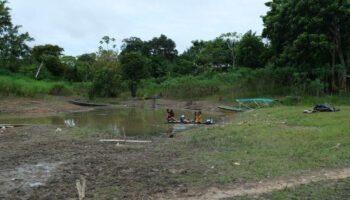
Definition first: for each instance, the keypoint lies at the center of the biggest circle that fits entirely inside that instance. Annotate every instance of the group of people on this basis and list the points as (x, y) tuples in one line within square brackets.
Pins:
[(171, 117)]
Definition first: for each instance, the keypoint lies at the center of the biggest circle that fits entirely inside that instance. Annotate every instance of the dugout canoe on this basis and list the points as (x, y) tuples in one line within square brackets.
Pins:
[(232, 109), (85, 103)]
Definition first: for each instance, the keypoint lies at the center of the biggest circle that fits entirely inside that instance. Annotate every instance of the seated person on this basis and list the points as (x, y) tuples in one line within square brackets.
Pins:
[(199, 117), (184, 120), (171, 116), (168, 116)]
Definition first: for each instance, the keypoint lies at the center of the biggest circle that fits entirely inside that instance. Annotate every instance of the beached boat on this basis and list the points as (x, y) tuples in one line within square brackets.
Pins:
[(85, 103), (232, 109), (205, 123)]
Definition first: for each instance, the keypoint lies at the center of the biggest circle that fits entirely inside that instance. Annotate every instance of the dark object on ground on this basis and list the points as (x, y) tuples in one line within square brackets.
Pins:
[(14, 125), (325, 108), (85, 103), (232, 109), (204, 123)]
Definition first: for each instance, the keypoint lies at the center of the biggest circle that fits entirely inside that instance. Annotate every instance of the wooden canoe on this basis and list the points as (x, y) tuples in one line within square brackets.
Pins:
[(85, 103), (232, 109), (14, 125), (205, 123)]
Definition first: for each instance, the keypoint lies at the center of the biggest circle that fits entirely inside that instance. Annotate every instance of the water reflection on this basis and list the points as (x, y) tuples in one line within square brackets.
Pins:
[(117, 121), (69, 122), (116, 131)]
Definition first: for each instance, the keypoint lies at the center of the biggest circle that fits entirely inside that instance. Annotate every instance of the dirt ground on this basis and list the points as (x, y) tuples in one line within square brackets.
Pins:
[(32, 107), (38, 162), (43, 162)]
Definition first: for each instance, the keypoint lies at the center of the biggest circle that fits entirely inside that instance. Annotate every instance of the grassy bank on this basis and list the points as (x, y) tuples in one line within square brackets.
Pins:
[(18, 85), (237, 84), (266, 144)]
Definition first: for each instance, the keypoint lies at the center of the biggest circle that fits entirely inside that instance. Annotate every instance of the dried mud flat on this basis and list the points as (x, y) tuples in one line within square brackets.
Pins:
[(39, 163), (32, 107)]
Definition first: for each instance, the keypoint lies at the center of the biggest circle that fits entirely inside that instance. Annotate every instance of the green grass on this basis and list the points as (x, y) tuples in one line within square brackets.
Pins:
[(27, 87), (329, 189), (268, 143), (19, 85), (336, 100), (109, 192)]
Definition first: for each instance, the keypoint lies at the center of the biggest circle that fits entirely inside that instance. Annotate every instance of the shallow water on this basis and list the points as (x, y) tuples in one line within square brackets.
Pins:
[(119, 121)]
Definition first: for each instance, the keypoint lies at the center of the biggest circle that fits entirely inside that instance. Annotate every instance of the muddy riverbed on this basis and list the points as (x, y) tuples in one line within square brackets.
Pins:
[(117, 121), (43, 162)]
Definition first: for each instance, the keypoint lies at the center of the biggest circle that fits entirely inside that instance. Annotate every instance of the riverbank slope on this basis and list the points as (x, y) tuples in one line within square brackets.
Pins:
[(254, 151)]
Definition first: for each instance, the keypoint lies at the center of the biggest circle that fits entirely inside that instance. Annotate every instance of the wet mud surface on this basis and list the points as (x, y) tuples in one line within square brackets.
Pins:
[(39, 163)]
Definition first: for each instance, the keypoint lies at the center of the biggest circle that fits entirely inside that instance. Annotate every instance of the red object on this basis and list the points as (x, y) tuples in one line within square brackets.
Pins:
[(220, 98)]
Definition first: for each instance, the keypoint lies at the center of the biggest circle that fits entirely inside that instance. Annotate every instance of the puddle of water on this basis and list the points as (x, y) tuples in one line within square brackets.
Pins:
[(117, 121)]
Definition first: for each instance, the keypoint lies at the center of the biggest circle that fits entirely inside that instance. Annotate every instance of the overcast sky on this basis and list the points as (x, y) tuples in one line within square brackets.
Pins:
[(78, 25)]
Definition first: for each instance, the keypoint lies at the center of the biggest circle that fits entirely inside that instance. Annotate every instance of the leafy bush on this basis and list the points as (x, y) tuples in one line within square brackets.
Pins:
[(290, 100), (60, 89), (82, 88), (106, 83)]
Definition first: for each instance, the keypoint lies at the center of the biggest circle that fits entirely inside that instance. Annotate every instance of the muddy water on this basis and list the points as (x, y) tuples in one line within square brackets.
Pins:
[(118, 121)]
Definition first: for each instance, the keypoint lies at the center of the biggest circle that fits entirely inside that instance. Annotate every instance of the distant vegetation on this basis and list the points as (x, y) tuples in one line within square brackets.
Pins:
[(304, 50), (18, 85)]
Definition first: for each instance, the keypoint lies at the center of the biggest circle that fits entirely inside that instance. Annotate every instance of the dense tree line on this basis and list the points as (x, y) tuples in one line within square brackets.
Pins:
[(305, 44), (312, 38)]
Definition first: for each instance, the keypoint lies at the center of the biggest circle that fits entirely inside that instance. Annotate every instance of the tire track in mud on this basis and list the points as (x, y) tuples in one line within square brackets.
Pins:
[(262, 187)]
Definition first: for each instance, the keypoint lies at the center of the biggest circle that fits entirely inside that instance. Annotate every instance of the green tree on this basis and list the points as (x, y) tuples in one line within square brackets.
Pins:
[(231, 41), (107, 43), (53, 64), (48, 49), (160, 51), (307, 34), (215, 54), (71, 72), (134, 44), (106, 75), (13, 47), (184, 67), (250, 51), (162, 47), (158, 66), (84, 65), (194, 52), (134, 69), (89, 58), (106, 70), (48, 55)]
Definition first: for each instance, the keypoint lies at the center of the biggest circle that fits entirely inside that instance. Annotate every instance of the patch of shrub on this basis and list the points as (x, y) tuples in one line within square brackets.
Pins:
[(290, 100), (60, 89)]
